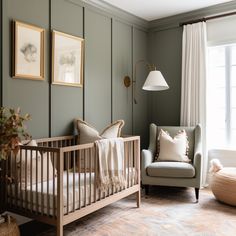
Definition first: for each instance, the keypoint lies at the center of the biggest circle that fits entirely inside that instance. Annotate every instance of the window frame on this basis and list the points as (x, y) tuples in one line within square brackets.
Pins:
[(228, 65)]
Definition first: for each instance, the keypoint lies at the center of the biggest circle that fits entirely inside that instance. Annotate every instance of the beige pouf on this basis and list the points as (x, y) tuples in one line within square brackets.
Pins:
[(9, 228), (223, 185)]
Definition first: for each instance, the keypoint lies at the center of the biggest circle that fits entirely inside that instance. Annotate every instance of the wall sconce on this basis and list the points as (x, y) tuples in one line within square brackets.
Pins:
[(154, 81), (127, 81)]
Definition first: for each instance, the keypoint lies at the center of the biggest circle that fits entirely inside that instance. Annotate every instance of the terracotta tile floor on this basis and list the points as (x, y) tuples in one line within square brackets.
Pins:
[(165, 212)]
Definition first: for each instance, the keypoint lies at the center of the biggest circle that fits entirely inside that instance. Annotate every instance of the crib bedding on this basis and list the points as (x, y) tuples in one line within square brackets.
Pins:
[(40, 196), (42, 193)]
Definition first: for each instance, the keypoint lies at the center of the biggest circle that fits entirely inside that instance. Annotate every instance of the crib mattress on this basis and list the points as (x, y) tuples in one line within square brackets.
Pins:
[(39, 197)]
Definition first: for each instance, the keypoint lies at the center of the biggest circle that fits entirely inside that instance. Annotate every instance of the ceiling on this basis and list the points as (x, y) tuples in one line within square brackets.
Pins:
[(156, 9)]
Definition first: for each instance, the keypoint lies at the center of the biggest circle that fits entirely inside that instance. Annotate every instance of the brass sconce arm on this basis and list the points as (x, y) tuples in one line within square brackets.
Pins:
[(150, 68)]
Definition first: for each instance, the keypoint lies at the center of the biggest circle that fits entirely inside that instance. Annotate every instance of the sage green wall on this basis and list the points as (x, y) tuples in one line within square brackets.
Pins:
[(1, 53), (31, 95), (112, 46), (97, 69), (140, 108), (66, 101), (122, 66), (165, 51)]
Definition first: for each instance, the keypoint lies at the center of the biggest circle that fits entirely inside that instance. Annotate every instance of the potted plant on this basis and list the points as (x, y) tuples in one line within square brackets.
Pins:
[(12, 130)]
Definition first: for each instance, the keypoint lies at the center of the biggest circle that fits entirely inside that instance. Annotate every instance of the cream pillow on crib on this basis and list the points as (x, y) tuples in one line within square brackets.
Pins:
[(88, 134), (173, 149), (27, 153), (39, 163)]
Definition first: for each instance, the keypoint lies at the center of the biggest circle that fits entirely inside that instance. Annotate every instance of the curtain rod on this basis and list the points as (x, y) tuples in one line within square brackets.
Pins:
[(207, 18)]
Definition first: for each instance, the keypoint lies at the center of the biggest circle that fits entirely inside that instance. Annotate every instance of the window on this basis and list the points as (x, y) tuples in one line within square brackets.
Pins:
[(221, 97)]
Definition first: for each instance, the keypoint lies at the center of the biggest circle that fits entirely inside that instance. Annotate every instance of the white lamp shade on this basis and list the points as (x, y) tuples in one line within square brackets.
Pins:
[(155, 82)]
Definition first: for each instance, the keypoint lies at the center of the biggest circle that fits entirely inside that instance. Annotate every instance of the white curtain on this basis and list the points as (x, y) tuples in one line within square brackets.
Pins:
[(193, 87)]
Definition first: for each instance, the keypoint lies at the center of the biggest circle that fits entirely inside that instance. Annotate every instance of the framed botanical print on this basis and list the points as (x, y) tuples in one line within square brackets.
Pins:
[(28, 49), (67, 59)]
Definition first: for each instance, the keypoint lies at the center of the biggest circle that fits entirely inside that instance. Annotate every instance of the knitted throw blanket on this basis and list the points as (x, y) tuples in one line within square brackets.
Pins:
[(111, 168)]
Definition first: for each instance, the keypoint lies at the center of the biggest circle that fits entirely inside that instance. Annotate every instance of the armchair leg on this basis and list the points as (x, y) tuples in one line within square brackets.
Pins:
[(146, 189), (197, 194)]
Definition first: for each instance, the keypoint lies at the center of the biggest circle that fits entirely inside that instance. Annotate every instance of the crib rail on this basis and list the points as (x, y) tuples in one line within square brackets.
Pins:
[(56, 181), (58, 142)]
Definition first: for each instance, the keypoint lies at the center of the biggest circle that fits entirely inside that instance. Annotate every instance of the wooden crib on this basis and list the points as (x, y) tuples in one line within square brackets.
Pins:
[(72, 192)]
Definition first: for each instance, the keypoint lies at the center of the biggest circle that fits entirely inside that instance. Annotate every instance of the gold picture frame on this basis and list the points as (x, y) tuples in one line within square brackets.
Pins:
[(28, 51), (67, 59)]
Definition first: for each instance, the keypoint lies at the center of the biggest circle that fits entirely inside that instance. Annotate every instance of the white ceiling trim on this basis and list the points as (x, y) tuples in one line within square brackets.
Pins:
[(156, 25), (157, 9)]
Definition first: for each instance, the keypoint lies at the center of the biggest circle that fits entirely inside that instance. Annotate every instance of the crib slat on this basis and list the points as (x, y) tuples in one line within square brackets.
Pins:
[(67, 184), (135, 162), (60, 200), (137, 148), (6, 181), (37, 199), (21, 192), (90, 178), (85, 167), (26, 197), (31, 180), (10, 175), (42, 205), (99, 190), (73, 180), (11, 178), (128, 147), (16, 181), (125, 163), (54, 205), (95, 174), (132, 163), (79, 170), (48, 200)]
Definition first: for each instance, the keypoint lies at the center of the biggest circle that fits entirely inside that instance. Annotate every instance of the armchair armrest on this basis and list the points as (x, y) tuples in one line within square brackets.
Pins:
[(147, 159), (197, 159)]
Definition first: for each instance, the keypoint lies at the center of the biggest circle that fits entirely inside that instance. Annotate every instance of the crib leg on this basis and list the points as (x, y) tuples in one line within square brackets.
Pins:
[(59, 230), (138, 198)]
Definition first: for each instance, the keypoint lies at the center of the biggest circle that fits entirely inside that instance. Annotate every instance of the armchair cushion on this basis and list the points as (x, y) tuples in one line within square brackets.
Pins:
[(171, 170)]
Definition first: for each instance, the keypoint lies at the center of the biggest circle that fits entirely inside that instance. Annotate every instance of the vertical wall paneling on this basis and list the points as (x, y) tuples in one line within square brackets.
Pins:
[(111, 69), (66, 101), (132, 76), (111, 50), (50, 70), (97, 69), (122, 66), (140, 109), (31, 95), (1, 174), (84, 66), (1, 52)]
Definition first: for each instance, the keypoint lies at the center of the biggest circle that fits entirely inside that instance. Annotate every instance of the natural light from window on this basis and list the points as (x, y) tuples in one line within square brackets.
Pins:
[(221, 97)]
